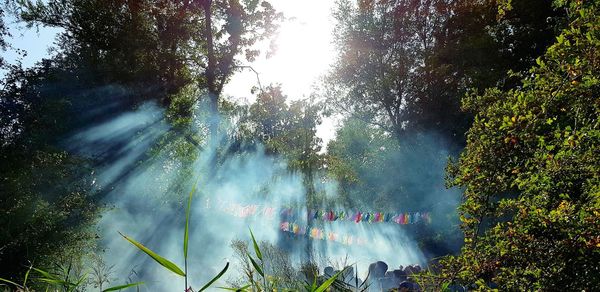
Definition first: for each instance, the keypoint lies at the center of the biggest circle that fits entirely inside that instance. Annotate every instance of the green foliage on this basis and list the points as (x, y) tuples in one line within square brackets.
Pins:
[(285, 129), (160, 45), (134, 44), (269, 282), (530, 171), (404, 65), (43, 213), (328, 282), (111, 54), (56, 282)]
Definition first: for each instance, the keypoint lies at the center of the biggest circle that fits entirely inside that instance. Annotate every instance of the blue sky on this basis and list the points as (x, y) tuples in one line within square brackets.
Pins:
[(35, 41)]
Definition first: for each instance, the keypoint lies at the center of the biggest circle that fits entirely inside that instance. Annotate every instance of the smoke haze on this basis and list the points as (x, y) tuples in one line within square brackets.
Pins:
[(145, 185)]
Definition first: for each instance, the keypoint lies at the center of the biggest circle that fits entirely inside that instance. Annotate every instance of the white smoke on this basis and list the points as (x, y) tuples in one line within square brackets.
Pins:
[(141, 183)]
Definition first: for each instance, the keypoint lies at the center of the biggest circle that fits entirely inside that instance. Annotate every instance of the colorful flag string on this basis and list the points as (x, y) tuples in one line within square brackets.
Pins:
[(320, 234), (291, 214)]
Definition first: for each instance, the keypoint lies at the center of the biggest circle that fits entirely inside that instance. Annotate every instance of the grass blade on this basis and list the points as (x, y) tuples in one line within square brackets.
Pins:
[(54, 281), (187, 221), (329, 281), (116, 288), (256, 249), (445, 287), (45, 274), (366, 279), (256, 266), (78, 283), (162, 261), (10, 282), (215, 278), (51, 279), (27, 276)]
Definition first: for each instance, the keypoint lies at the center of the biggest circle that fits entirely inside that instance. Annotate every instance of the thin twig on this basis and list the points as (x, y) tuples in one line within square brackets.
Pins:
[(255, 72)]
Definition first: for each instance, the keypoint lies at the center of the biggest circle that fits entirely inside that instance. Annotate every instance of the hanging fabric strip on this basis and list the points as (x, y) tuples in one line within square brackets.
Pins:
[(320, 234), (291, 214)]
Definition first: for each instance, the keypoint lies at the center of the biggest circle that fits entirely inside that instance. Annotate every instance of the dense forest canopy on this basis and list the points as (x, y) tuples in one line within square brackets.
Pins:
[(467, 143)]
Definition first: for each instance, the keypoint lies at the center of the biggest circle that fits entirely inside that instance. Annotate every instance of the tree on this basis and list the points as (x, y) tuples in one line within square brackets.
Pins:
[(111, 55), (404, 65), (158, 44), (380, 45), (531, 210), (286, 129), (245, 23), (46, 202), (3, 33)]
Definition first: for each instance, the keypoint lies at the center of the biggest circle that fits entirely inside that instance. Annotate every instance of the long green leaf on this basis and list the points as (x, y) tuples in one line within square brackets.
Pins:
[(215, 278), (187, 221), (314, 284), (256, 266), (51, 279), (10, 282), (162, 261), (27, 276), (116, 288), (256, 249), (45, 274), (329, 281), (54, 281)]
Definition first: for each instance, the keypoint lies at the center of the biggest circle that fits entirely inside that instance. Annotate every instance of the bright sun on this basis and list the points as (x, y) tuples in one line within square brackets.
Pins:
[(304, 51)]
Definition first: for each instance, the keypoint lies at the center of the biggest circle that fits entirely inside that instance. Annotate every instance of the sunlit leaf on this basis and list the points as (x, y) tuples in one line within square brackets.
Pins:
[(45, 274), (256, 266), (215, 278), (256, 249), (51, 279), (162, 261), (329, 281)]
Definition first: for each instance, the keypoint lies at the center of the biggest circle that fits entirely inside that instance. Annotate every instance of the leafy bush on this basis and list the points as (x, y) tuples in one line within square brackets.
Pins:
[(530, 171)]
